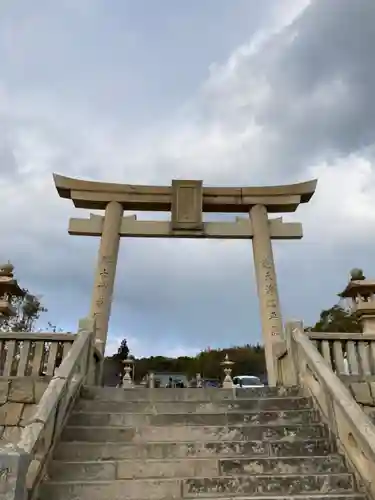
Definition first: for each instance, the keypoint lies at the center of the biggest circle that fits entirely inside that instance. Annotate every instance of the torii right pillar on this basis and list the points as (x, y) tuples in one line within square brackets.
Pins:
[(265, 273), (276, 199)]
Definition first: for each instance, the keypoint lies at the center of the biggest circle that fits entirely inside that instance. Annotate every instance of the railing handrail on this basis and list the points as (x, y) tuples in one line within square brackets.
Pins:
[(339, 336), (53, 393), (33, 336), (27, 460), (301, 363), (365, 429)]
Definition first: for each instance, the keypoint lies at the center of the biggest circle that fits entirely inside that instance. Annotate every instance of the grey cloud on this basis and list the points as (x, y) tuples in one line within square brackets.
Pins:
[(317, 77), (332, 54)]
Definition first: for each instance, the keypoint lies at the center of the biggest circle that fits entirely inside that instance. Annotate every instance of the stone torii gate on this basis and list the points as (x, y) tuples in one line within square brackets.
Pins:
[(187, 200)]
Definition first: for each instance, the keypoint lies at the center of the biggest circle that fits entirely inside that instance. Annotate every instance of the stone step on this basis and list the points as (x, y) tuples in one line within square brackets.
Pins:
[(191, 467), (81, 451), (197, 406), (98, 419), (161, 394), (208, 487), (193, 433)]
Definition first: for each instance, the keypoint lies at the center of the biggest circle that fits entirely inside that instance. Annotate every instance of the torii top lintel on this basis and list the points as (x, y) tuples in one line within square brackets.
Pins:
[(96, 195)]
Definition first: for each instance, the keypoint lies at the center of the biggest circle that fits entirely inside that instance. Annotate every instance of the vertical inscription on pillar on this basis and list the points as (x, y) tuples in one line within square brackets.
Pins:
[(270, 292), (187, 202)]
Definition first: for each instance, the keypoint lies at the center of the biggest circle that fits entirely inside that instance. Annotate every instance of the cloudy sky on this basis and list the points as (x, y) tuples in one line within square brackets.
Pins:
[(234, 92)]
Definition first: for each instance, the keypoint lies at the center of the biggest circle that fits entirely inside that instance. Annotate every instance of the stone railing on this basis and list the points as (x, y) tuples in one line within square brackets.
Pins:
[(350, 355), (300, 363), (23, 465), (33, 354)]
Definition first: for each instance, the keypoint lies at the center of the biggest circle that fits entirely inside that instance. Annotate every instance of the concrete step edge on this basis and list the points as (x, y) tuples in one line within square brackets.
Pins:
[(197, 478), (187, 459), (314, 495), (239, 426), (227, 412), (272, 441), (195, 401)]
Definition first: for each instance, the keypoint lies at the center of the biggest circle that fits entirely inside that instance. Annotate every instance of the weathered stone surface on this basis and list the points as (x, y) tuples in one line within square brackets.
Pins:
[(22, 390), (203, 406), (362, 394), (301, 447), (132, 419), (192, 467), (113, 490), (194, 433), (4, 389), (90, 492), (12, 434), (40, 387), (196, 443), (372, 390), (86, 471), (271, 485), (115, 451), (214, 395), (28, 412), (370, 411), (207, 487), (13, 467), (293, 465), (10, 413), (32, 473), (158, 450)]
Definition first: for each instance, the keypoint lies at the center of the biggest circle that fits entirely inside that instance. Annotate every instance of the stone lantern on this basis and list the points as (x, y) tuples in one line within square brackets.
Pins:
[(360, 293), (9, 288), (127, 379), (227, 364)]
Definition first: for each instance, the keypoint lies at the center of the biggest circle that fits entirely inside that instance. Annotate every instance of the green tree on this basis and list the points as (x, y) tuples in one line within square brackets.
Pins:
[(247, 359), (336, 319), (28, 310), (123, 351)]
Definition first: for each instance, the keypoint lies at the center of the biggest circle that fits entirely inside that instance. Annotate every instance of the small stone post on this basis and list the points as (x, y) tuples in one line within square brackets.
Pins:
[(227, 382), (127, 381), (151, 380)]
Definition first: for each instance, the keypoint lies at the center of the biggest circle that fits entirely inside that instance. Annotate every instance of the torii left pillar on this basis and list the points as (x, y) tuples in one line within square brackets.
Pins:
[(106, 272)]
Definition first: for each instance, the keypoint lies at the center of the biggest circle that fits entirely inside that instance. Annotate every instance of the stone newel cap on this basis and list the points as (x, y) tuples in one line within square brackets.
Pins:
[(358, 285)]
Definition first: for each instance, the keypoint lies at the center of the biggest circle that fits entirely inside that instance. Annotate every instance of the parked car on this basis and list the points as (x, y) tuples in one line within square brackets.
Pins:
[(164, 379), (247, 381), (206, 382), (211, 382)]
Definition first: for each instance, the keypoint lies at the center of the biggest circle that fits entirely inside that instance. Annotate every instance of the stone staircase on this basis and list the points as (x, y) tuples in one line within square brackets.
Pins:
[(139, 444)]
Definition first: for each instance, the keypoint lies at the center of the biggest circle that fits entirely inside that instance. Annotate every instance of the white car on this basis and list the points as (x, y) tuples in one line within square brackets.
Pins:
[(247, 381)]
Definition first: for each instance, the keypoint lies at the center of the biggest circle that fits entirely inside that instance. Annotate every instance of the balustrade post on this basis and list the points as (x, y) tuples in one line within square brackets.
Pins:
[(151, 380), (290, 366)]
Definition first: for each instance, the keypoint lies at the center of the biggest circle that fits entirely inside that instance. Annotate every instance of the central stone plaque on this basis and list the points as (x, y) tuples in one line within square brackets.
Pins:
[(187, 203)]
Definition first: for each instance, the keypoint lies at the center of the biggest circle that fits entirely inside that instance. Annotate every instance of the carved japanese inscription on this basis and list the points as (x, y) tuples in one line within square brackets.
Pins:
[(270, 291), (187, 202)]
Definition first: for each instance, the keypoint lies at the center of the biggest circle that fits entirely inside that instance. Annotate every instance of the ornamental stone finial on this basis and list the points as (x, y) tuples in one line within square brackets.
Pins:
[(356, 274)]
